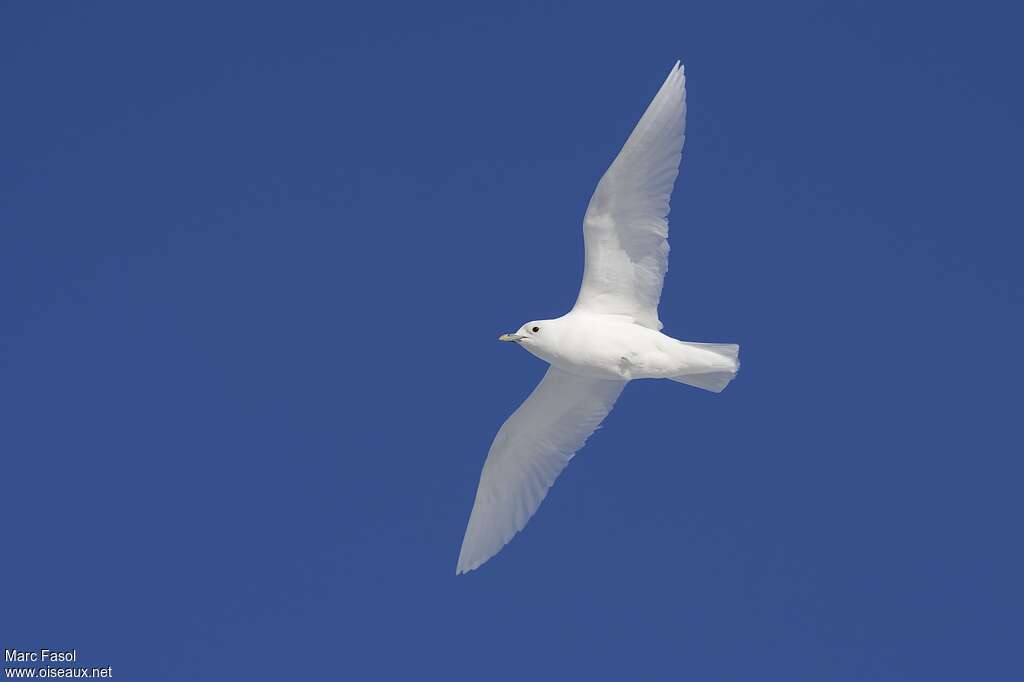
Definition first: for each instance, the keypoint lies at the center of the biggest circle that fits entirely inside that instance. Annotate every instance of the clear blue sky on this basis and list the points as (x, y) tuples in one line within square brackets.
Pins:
[(254, 261)]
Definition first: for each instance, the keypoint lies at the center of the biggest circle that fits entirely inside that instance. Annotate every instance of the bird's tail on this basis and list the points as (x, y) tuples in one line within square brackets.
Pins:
[(721, 370)]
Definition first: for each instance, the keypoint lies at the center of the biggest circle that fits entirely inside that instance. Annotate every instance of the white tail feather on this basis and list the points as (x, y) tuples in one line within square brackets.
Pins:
[(719, 374)]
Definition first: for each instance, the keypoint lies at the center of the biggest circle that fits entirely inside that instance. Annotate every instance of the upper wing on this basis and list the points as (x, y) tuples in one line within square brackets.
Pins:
[(626, 226), (531, 449)]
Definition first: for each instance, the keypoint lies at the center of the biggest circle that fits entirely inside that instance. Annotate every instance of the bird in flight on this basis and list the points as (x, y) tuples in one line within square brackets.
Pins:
[(610, 337)]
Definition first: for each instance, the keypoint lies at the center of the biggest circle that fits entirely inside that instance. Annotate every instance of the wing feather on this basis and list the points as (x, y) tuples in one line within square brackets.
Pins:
[(626, 225), (531, 449)]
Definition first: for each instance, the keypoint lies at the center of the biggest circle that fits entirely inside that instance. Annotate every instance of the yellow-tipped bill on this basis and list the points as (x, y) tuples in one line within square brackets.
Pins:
[(509, 337)]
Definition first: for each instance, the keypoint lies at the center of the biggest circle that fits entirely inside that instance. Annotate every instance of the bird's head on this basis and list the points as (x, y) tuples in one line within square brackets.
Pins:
[(535, 336)]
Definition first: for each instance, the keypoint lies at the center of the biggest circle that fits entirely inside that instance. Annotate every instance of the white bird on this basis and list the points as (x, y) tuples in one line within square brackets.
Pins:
[(610, 337)]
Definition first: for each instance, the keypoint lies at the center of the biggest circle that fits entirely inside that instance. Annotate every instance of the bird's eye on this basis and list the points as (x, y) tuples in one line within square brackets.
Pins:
[(536, 329)]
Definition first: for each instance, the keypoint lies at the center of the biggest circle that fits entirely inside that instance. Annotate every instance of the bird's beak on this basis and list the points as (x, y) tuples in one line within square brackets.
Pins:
[(509, 337)]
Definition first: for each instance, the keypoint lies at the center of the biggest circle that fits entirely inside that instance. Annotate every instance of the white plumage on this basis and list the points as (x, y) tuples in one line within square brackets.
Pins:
[(625, 229), (610, 337)]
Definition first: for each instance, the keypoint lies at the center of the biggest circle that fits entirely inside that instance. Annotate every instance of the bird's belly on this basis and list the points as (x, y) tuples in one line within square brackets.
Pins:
[(622, 359)]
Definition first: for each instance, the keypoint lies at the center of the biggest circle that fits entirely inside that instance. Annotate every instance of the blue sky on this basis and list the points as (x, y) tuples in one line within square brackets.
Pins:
[(254, 259)]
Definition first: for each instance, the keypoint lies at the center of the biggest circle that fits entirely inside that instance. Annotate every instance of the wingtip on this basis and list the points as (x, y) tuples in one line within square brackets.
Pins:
[(678, 74), (462, 569), (469, 563), (464, 564)]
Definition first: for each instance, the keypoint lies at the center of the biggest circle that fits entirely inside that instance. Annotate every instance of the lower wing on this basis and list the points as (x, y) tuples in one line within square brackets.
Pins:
[(531, 449)]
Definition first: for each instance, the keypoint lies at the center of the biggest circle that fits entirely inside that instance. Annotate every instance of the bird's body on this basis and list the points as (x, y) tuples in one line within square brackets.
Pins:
[(610, 337), (616, 348)]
